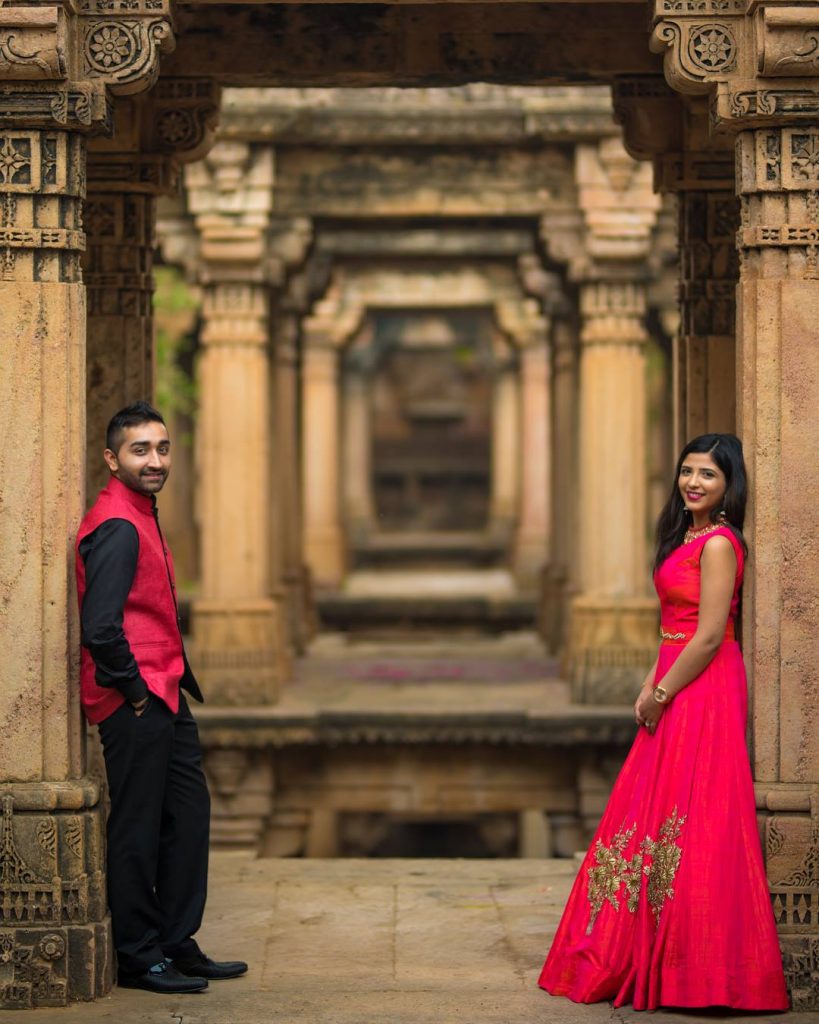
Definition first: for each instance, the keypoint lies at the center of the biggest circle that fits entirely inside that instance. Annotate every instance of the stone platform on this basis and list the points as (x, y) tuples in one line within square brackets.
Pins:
[(377, 942)]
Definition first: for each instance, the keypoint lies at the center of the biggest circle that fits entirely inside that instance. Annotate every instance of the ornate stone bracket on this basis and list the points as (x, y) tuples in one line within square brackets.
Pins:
[(758, 62), (122, 40), (57, 62)]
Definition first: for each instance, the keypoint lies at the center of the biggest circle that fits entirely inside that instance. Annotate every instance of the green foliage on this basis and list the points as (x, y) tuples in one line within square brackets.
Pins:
[(175, 307)]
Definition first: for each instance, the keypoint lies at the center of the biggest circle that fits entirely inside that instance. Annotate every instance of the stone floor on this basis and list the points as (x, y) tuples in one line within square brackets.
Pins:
[(377, 942)]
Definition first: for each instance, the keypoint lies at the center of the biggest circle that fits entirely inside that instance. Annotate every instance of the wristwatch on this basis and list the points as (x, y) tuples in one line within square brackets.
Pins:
[(660, 694)]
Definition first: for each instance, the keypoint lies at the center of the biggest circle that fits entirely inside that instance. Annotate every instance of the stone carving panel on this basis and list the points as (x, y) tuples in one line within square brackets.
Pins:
[(186, 115), (755, 64), (709, 264), (122, 41), (783, 161), (41, 183), (52, 908)]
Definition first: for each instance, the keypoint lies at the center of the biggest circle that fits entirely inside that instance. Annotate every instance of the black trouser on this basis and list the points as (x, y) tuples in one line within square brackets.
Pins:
[(157, 832)]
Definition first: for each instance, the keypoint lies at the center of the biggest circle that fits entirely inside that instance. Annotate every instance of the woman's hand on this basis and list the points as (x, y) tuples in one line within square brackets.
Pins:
[(648, 711), (638, 718)]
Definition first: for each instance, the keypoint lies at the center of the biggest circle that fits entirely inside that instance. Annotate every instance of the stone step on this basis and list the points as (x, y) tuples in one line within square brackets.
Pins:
[(393, 616)]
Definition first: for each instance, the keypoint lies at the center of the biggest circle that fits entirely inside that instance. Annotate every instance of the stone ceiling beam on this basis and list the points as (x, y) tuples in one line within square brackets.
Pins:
[(474, 114), (406, 45), (462, 241)]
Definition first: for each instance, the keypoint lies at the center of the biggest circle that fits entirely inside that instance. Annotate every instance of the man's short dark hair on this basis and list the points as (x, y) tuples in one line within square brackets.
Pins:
[(131, 416)]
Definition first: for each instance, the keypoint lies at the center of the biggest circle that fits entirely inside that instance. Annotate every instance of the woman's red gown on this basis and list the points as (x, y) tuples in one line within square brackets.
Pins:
[(671, 905)]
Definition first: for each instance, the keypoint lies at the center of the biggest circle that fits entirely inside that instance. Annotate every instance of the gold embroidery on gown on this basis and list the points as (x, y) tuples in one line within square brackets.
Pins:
[(612, 870), (665, 859)]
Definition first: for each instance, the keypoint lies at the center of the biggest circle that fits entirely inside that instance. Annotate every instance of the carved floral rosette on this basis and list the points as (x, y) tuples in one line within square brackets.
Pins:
[(122, 41)]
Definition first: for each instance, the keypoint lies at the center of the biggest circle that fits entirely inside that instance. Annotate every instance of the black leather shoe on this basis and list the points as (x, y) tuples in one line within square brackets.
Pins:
[(202, 966), (164, 978)]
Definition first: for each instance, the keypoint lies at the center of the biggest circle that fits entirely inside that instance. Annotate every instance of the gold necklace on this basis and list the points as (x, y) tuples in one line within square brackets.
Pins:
[(691, 533)]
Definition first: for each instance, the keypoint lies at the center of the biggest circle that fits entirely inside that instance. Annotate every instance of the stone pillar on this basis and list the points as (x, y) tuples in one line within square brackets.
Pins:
[(324, 548), (560, 576), (705, 351), (117, 270), (55, 943), (778, 395), (239, 647), (611, 252), (359, 510), (506, 453), (287, 476), (699, 169), (54, 929), (758, 74), (522, 321), (237, 626), (613, 623), (326, 331), (532, 541), (153, 134)]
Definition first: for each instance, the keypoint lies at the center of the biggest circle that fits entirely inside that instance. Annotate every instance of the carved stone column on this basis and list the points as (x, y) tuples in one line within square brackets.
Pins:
[(359, 510), (701, 173), (55, 944), (613, 636), (532, 541), (757, 67), (326, 332), (778, 340), (324, 548), (237, 626), (126, 173), (120, 227), (239, 646), (506, 454), (560, 575), (287, 475), (610, 247), (523, 322), (705, 355), (54, 932)]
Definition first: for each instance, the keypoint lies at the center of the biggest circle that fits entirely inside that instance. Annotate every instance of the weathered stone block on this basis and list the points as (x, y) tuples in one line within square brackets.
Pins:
[(55, 936)]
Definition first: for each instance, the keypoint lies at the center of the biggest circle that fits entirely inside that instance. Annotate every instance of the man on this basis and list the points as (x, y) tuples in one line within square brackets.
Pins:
[(133, 670)]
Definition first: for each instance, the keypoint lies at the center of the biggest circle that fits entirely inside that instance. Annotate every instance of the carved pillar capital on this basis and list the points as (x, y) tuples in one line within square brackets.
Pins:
[(618, 202), (523, 321), (613, 313), (61, 62), (235, 314), (757, 62)]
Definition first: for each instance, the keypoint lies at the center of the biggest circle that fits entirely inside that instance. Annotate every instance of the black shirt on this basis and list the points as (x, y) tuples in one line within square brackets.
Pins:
[(110, 554)]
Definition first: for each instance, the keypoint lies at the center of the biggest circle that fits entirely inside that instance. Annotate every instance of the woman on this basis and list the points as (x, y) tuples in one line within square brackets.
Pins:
[(671, 905)]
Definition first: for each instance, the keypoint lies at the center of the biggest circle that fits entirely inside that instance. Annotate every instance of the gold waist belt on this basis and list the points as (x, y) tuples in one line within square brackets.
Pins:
[(682, 638)]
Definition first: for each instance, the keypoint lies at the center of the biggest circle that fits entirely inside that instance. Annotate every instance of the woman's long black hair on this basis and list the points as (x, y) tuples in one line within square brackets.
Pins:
[(726, 451)]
